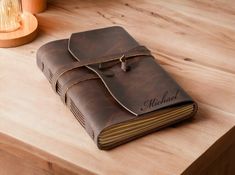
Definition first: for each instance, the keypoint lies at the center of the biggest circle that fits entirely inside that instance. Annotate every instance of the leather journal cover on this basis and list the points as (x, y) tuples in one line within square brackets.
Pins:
[(113, 85)]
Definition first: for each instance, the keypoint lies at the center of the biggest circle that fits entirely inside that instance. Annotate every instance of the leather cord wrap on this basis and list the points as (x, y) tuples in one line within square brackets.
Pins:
[(73, 82), (137, 51)]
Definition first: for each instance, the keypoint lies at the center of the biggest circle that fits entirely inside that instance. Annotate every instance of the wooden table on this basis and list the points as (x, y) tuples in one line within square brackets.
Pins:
[(193, 40)]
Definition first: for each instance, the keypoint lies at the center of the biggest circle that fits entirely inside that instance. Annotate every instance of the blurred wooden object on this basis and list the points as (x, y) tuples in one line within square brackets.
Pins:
[(193, 40), (25, 34), (34, 6)]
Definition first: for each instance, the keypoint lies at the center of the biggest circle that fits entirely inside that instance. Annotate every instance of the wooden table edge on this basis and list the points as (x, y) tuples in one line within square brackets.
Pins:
[(50, 163), (38, 158), (209, 158)]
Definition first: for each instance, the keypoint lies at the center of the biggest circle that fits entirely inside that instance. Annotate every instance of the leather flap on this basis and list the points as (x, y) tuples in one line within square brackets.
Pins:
[(143, 89)]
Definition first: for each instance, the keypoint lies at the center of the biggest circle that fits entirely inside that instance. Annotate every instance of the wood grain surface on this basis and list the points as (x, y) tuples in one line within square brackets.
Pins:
[(193, 40)]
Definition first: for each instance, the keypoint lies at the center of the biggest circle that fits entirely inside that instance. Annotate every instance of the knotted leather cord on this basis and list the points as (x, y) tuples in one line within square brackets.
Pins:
[(136, 51)]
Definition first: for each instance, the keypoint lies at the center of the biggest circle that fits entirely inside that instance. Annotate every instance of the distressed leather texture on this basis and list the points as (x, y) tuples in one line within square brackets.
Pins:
[(102, 95)]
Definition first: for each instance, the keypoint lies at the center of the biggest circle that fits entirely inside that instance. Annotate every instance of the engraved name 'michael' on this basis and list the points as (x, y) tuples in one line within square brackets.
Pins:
[(151, 103)]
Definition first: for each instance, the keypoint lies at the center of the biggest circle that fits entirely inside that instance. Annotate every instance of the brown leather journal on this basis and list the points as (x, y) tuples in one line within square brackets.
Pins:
[(113, 85)]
